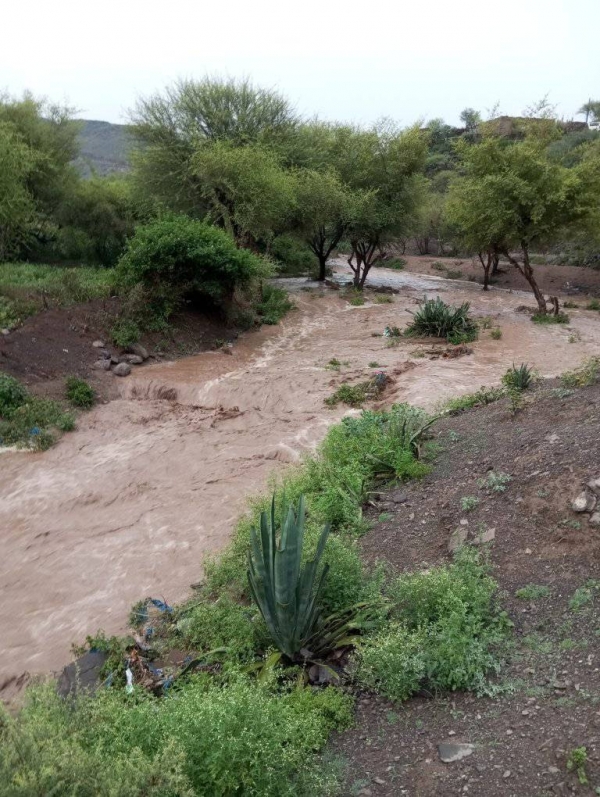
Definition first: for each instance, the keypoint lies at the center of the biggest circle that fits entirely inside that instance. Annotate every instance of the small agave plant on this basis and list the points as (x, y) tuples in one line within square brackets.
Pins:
[(286, 592)]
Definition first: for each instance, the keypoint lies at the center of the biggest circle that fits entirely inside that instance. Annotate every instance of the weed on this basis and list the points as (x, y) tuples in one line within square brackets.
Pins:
[(587, 374), (561, 392), (496, 482), (454, 274), (385, 516), (486, 322), (374, 364), (575, 337), (334, 364), (550, 318), (274, 304), (392, 332), (532, 592), (469, 502), (485, 395), (453, 436), (383, 298), (518, 378), (125, 332), (356, 395), (496, 333), (397, 263), (583, 596), (570, 305), (437, 266), (28, 421), (80, 393), (594, 304), (576, 761)]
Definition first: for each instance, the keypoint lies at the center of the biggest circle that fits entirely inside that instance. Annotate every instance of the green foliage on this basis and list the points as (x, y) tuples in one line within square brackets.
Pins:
[(469, 502), (444, 629), (496, 333), (482, 397), (576, 761), (292, 257), (274, 304), (437, 319), (125, 332), (286, 592), (533, 592), (80, 393), (176, 256), (383, 298), (352, 395), (395, 263), (550, 318), (27, 421), (495, 481), (208, 739), (518, 378), (584, 596), (587, 374), (594, 304)]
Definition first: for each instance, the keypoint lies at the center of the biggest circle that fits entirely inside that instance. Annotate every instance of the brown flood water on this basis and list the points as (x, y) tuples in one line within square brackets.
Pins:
[(128, 505)]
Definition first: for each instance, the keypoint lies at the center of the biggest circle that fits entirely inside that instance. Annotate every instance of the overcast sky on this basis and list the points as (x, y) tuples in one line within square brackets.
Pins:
[(338, 59)]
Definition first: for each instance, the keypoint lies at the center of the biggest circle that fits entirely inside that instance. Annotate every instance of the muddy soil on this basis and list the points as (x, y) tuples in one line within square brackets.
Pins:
[(129, 504), (548, 700)]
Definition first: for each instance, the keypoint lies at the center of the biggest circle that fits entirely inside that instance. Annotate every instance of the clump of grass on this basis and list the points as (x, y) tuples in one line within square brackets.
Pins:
[(518, 378), (437, 319), (495, 481), (550, 318), (438, 266), (80, 393), (444, 628), (334, 364), (33, 286), (587, 374), (584, 596), (486, 322), (532, 592), (576, 761), (496, 333), (482, 397), (594, 304), (357, 300), (570, 305), (28, 421), (454, 274), (374, 364), (356, 395), (125, 332), (274, 304), (397, 263), (469, 502), (383, 298)]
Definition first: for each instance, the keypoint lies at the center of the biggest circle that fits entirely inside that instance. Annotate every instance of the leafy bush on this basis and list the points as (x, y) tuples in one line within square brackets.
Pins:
[(274, 304), (518, 378), (437, 319), (445, 627), (125, 332), (12, 395), (80, 393), (550, 318), (177, 256), (397, 263), (532, 592), (483, 396), (293, 257), (496, 333), (594, 304), (208, 739)]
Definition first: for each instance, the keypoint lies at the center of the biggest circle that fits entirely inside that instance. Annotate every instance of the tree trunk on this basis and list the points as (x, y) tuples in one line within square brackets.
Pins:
[(486, 263), (322, 267), (495, 264), (527, 271)]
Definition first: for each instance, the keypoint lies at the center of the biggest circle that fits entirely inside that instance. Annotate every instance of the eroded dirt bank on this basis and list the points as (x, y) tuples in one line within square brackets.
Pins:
[(130, 503)]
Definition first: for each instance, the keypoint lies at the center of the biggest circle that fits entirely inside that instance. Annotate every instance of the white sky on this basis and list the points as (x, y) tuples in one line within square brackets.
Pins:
[(339, 59)]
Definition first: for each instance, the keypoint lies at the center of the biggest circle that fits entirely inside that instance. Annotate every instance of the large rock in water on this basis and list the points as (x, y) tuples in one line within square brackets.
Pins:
[(122, 369)]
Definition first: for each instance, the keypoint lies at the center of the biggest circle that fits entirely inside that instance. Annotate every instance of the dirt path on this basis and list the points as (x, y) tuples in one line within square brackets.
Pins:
[(128, 505)]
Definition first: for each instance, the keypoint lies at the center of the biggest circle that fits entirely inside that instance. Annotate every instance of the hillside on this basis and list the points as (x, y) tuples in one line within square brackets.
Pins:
[(104, 147)]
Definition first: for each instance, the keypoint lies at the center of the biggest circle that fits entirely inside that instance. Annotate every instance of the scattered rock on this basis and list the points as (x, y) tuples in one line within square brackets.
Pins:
[(102, 365), (457, 538), (585, 502), (122, 369), (114, 359), (6, 331), (552, 438), (485, 536), (398, 497), (98, 344), (454, 752), (595, 519), (82, 674), (132, 359), (553, 770), (138, 350), (380, 781), (594, 485), (507, 773)]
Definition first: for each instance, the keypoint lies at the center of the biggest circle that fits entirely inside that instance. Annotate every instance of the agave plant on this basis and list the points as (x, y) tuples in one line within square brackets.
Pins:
[(437, 319), (518, 378), (286, 592)]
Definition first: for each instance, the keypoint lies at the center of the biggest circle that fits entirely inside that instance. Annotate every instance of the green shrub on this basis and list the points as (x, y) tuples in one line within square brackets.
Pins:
[(12, 395), (485, 395), (445, 628), (437, 319), (9, 315), (594, 304), (397, 263), (550, 318), (125, 332), (176, 256), (293, 257), (533, 592), (496, 333), (80, 393), (274, 304), (587, 374), (208, 625), (207, 739)]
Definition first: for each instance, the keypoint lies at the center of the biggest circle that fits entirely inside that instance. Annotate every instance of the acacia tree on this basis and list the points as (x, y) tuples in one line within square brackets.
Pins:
[(386, 165), (324, 211), (17, 208), (172, 127), (513, 196)]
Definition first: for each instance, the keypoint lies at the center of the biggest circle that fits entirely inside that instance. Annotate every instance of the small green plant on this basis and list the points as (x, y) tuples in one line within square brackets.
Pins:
[(454, 274), (568, 305), (397, 263), (518, 378), (576, 762), (28, 421), (334, 364), (274, 304), (469, 502), (484, 396), (125, 332), (561, 392), (496, 333), (594, 304), (587, 374), (12, 395), (583, 596), (383, 298), (80, 393), (385, 516), (496, 482), (486, 322), (437, 319), (550, 318), (575, 337), (356, 395), (437, 266), (532, 592), (374, 364)]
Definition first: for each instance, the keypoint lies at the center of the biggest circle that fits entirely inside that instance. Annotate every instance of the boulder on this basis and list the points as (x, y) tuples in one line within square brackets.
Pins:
[(457, 539), (132, 359), (139, 350), (594, 486), (122, 369), (83, 674), (102, 365), (585, 502), (595, 519), (98, 344), (454, 752)]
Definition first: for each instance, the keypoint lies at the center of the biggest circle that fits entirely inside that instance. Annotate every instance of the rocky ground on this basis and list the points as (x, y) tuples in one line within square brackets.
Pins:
[(546, 701)]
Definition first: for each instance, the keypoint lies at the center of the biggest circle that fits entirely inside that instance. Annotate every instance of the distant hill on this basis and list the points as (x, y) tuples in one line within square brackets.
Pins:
[(104, 148)]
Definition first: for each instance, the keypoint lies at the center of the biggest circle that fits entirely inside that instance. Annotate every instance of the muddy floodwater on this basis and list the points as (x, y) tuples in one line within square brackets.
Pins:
[(130, 503)]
